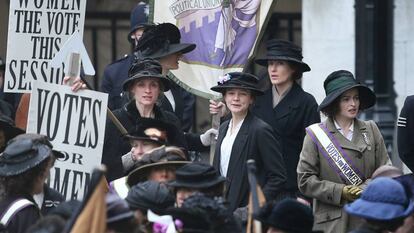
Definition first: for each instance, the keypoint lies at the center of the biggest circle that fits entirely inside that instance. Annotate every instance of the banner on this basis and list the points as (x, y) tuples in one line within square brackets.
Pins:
[(75, 123), (225, 31), (37, 30)]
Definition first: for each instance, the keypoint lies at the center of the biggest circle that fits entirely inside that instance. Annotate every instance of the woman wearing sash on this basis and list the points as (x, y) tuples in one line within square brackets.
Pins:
[(245, 137), (339, 155)]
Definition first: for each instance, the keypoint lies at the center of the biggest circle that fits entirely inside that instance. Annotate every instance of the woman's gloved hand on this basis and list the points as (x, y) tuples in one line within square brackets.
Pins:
[(351, 193)]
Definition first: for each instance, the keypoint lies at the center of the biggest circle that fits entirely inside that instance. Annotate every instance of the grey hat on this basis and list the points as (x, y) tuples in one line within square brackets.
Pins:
[(25, 152)]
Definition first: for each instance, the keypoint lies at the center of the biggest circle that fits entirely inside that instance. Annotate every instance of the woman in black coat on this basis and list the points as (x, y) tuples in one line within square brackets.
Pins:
[(147, 83), (285, 105), (24, 167), (245, 137)]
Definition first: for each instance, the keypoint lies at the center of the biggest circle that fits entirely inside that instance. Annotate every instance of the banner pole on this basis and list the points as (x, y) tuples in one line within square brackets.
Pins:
[(215, 123)]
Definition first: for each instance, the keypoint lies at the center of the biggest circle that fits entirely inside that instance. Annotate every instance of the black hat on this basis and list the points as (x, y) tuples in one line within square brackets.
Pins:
[(145, 68), (24, 152), (341, 81), (285, 51), (150, 195), (154, 158), (238, 80), (222, 219), (194, 220), (153, 130), (286, 215), (9, 128), (196, 175), (162, 40), (117, 209), (139, 18)]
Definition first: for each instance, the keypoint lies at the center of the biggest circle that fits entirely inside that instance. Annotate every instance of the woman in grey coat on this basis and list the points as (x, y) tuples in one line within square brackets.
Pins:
[(340, 154)]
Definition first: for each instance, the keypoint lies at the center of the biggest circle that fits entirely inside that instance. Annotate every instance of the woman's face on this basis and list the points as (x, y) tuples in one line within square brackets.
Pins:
[(170, 62), (349, 104), (238, 100), (162, 174), (146, 91), (140, 147), (280, 72), (182, 194)]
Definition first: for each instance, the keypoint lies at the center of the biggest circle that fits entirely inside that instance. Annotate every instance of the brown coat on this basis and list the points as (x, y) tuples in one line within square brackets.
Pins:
[(318, 180)]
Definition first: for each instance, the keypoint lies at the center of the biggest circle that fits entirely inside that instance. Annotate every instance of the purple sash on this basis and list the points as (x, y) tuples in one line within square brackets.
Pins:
[(337, 158)]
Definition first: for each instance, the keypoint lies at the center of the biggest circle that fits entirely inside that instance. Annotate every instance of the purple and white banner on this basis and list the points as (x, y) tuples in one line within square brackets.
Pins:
[(225, 31)]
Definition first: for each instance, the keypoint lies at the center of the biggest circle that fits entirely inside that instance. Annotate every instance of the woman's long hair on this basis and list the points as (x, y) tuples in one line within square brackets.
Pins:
[(24, 184)]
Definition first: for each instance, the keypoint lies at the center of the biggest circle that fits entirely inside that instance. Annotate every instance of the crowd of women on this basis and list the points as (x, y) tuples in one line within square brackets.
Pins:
[(303, 164)]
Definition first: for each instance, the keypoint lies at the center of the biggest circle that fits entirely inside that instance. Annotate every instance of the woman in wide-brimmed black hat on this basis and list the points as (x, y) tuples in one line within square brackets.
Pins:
[(340, 154), (147, 84), (24, 167), (245, 137), (285, 105)]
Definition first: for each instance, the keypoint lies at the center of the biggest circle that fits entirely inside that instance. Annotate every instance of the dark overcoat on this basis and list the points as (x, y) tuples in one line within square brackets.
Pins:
[(255, 140), (184, 105), (296, 111), (405, 133), (24, 218)]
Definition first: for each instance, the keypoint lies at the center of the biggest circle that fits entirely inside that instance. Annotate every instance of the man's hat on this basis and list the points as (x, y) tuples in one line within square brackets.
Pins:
[(155, 158), (384, 199), (150, 195), (239, 80), (139, 18), (145, 68), (25, 152), (286, 215), (341, 81), (153, 130), (285, 51), (197, 176), (162, 40)]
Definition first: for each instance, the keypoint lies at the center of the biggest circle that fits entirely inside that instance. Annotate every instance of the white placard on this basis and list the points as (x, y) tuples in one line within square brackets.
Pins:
[(75, 123), (37, 30)]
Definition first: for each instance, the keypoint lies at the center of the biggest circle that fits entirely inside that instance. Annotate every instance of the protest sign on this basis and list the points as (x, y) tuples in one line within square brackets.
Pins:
[(37, 30), (225, 31), (75, 124)]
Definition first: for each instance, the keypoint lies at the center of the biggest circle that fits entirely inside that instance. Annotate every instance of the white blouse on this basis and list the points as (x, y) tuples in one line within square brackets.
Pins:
[(227, 146)]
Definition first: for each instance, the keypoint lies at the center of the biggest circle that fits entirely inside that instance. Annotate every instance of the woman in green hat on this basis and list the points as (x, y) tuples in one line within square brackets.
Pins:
[(340, 154)]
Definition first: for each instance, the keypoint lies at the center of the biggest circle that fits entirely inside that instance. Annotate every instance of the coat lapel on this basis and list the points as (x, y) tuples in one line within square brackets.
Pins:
[(357, 143), (287, 104), (238, 155)]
